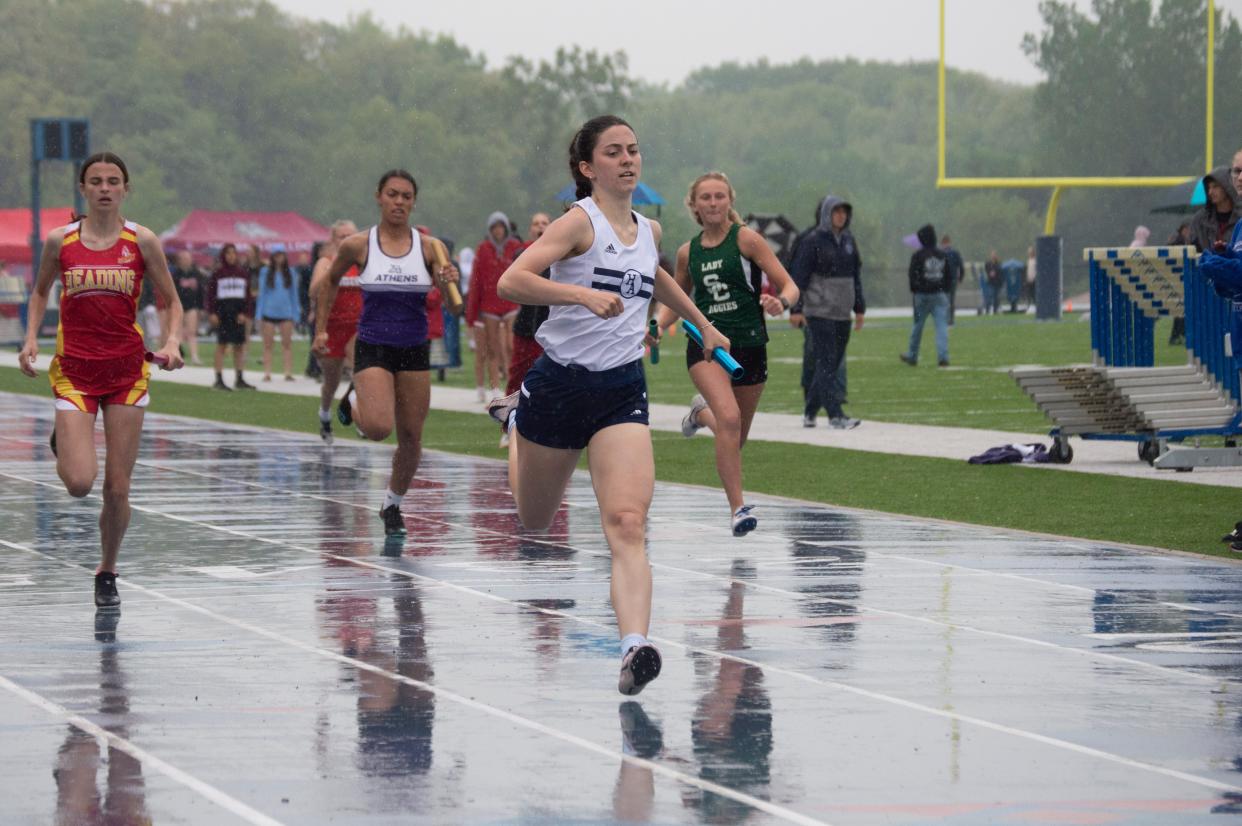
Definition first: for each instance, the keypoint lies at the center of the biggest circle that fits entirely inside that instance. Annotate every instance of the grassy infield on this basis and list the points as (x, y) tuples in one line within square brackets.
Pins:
[(976, 392)]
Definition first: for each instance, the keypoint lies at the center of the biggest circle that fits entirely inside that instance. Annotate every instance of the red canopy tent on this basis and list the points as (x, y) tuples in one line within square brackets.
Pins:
[(203, 229), (15, 226)]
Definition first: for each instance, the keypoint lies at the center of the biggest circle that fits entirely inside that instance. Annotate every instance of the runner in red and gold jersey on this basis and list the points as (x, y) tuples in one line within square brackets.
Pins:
[(342, 323), (99, 345), (99, 362)]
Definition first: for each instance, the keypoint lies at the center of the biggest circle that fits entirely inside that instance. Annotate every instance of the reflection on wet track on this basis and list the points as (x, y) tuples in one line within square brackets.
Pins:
[(275, 661)]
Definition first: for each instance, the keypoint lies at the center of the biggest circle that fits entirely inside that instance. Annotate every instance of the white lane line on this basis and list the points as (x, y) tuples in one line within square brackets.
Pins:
[(1089, 653), (224, 801), (452, 696), (718, 655), (176, 437)]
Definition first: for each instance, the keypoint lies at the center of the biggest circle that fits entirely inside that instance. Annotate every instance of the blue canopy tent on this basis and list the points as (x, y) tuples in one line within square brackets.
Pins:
[(643, 196)]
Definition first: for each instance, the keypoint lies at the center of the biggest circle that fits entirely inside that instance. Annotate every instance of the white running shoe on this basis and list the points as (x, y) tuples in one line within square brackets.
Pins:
[(844, 423), (744, 520), (480, 394), (688, 424), (499, 408)]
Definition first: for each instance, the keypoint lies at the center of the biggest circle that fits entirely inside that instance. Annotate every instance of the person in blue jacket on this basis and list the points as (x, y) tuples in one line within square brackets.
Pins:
[(278, 308), (1222, 267)]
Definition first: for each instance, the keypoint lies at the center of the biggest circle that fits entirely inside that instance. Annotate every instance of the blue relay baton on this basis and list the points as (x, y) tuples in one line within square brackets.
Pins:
[(719, 355)]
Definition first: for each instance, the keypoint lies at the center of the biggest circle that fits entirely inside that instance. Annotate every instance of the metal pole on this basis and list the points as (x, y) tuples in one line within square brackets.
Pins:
[(36, 231), (1211, 78), (1048, 280), (79, 203)]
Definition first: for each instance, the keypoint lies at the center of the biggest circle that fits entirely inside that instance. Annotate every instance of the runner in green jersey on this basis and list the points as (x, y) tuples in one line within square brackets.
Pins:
[(723, 269)]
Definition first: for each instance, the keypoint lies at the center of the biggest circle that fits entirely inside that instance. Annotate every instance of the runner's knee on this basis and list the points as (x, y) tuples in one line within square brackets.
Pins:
[(78, 483), (628, 525), (115, 491)]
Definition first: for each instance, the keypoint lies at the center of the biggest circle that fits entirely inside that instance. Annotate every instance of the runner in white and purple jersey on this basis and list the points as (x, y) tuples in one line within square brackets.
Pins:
[(392, 385)]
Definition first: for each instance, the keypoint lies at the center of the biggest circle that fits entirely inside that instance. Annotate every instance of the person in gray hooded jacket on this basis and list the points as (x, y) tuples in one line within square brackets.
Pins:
[(827, 269), (1215, 220)]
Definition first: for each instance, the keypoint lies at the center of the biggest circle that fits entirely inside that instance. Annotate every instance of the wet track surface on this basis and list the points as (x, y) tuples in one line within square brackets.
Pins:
[(275, 661)]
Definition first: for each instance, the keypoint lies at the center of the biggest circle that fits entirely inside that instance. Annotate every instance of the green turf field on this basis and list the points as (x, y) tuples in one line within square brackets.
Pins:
[(975, 393)]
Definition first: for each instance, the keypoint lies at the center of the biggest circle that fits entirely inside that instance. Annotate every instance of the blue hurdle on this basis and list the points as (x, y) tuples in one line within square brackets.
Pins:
[(1121, 395)]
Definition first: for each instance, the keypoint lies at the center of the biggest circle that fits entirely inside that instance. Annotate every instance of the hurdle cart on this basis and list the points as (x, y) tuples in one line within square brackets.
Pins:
[(1121, 395)]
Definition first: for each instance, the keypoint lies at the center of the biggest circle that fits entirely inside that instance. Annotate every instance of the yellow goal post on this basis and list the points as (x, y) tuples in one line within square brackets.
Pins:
[(1059, 183)]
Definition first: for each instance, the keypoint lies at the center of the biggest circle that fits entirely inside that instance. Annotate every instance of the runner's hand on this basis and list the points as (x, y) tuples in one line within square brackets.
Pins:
[(448, 274), (172, 353), (797, 320), (771, 304), (713, 338), (26, 358), (321, 344), (604, 305)]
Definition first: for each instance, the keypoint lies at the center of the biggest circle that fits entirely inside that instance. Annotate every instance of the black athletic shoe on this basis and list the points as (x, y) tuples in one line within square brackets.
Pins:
[(344, 410), (106, 595), (394, 525), (220, 385), (51, 441), (242, 384), (325, 431), (1234, 535), (640, 666)]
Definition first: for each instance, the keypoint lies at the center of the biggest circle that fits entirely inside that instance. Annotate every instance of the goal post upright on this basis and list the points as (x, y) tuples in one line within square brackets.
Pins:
[(1058, 184)]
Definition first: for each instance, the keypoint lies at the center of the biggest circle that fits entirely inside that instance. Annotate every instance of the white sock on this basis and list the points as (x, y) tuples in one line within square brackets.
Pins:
[(391, 499), (325, 415), (632, 640), (512, 419), (353, 399)]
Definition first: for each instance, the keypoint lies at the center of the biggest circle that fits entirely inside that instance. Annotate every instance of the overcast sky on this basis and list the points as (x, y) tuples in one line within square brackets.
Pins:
[(983, 35)]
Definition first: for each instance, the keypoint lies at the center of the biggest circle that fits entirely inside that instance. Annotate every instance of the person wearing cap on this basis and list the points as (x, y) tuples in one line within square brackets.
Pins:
[(278, 308), (486, 311)]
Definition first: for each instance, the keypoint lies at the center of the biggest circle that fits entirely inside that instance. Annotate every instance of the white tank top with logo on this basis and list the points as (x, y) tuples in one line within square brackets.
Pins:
[(574, 335), (394, 295)]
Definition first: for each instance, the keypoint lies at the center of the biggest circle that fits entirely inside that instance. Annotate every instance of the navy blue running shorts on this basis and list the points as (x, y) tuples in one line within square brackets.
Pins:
[(754, 361), (563, 407)]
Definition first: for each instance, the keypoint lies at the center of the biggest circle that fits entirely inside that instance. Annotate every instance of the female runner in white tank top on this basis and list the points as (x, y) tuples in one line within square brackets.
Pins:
[(391, 363), (588, 389)]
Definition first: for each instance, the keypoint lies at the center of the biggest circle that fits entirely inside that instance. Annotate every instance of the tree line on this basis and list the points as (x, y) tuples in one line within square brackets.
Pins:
[(234, 104)]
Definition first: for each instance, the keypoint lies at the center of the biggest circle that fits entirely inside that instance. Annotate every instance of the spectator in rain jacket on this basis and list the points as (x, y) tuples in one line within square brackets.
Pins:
[(1215, 221), (929, 284), (490, 315), (828, 270), (1221, 264)]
